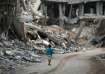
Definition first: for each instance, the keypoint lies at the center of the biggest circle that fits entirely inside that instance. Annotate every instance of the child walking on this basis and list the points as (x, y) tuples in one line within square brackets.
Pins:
[(49, 54)]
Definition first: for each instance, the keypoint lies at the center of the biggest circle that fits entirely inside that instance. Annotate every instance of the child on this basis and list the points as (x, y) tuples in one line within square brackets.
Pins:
[(49, 54)]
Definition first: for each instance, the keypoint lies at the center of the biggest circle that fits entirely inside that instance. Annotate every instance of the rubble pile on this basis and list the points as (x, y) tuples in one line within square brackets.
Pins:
[(59, 34), (14, 52), (59, 38), (18, 51), (99, 37)]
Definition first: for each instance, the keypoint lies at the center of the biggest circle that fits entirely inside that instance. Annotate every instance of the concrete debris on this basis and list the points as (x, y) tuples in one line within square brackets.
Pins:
[(26, 17), (45, 42), (100, 58), (73, 21), (60, 39), (18, 52), (7, 66), (98, 41)]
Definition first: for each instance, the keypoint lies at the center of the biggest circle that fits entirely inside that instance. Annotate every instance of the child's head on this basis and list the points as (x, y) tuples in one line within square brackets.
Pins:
[(49, 46)]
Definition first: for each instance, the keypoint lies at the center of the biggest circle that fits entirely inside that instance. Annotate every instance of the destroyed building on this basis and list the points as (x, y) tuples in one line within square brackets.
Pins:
[(65, 10), (10, 24)]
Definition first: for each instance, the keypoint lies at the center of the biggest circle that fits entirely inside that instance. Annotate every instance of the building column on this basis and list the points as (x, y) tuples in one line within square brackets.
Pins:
[(91, 10), (61, 20), (103, 8), (44, 11), (70, 11), (81, 7), (64, 9), (44, 8), (99, 8)]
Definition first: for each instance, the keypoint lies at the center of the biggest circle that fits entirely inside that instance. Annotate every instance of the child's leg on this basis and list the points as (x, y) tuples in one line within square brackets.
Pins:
[(49, 61)]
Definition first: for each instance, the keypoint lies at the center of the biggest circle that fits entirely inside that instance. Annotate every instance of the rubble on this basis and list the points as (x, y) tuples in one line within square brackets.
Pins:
[(98, 41), (99, 38), (100, 58), (55, 36), (14, 53), (7, 66), (38, 37), (18, 51)]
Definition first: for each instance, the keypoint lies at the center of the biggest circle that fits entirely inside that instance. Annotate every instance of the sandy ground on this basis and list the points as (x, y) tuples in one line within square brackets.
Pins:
[(72, 63), (80, 63)]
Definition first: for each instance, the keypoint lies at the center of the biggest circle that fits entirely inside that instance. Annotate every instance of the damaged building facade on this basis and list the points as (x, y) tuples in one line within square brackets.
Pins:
[(62, 11)]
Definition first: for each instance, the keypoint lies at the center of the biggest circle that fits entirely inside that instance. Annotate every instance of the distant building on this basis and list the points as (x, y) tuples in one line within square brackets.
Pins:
[(69, 9)]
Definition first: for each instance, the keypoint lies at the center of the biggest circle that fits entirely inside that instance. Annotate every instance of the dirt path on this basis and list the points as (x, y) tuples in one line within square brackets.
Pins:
[(79, 63)]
